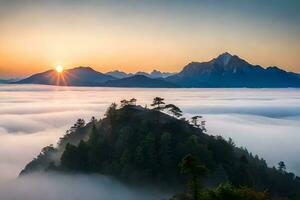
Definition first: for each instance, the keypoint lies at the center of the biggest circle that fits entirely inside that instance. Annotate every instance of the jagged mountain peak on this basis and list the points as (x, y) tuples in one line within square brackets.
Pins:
[(229, 70), (225, 55), (224, 58), (118, 74), (274, 68)]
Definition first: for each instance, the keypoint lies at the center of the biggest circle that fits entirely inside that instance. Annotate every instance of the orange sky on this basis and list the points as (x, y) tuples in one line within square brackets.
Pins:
[(106, 37)]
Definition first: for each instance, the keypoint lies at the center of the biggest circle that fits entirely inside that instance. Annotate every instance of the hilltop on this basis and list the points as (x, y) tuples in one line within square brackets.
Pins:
[(142, 146)]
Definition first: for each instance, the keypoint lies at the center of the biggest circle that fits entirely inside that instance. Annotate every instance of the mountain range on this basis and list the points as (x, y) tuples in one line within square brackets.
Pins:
[(86, 76), (140, 81), (6, 81), (80, 76), (154, 74), (226, 70), (231, 71)]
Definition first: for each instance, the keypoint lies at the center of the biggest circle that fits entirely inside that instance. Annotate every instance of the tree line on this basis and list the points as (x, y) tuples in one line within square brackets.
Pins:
[(157, 146)]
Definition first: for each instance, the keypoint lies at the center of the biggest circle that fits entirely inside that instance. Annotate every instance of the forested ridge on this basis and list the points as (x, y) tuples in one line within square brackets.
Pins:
[(156, 146)]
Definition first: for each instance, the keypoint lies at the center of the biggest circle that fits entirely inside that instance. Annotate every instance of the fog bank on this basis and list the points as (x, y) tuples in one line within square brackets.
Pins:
[(266, 121), (75, 187)]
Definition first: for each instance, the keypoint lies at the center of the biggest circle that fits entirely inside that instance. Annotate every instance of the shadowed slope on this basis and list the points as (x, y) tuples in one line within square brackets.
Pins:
[(231, 71), (144, 147), (80, 76)]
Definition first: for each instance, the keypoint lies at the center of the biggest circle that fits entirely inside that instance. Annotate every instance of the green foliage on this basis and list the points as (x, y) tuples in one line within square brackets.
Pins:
[(111, 110), (173, 110), (133, 101), (93, 120), (195, 121), (198, 124), (142, 146), (157, 103), (125, 102), (74, 134), (190, 165), (76, 158), (227, 191), (41, 161), (281, 166), (79, 124)]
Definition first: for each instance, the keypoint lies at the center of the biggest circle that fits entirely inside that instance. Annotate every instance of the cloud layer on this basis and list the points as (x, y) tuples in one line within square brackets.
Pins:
[(76, 187), (266, 121)]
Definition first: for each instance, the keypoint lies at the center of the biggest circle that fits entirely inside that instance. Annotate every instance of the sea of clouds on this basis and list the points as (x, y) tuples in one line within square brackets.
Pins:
[(265, 121), (75, 187)]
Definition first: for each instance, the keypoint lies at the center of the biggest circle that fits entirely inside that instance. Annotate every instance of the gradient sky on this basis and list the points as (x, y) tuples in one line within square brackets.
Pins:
[(140, 35)]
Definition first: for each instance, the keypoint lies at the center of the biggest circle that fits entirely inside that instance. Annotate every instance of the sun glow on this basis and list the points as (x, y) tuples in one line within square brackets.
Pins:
[(59, 69)]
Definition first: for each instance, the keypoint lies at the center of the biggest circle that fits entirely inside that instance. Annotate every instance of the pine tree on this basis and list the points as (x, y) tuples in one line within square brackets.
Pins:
[(190, 165), (157, 103)]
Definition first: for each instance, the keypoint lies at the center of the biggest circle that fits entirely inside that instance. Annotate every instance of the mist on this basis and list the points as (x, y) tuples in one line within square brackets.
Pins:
[(265, 121), (73, 187)]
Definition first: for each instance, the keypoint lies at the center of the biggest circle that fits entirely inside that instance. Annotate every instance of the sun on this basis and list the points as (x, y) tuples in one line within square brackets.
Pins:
[(59, 69)]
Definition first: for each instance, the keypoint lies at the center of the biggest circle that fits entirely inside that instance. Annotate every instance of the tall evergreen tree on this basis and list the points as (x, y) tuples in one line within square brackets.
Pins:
[(190, 165)]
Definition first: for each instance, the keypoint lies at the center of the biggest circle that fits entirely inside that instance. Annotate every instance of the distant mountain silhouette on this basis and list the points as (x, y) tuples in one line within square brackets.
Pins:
[(80, 76), (158, 74), (6, 81), (231, 71), (143, 74), (140, 81), (295, 74), (154, 74), (224, 71), (119, 74)]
